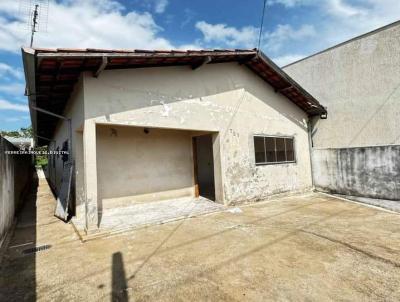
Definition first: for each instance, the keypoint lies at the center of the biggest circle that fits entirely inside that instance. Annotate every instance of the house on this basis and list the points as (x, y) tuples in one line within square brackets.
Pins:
[(356, 151), (228, 125)]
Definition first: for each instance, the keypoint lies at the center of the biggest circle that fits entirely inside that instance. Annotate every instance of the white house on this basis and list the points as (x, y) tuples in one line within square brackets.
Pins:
[(228, 125)]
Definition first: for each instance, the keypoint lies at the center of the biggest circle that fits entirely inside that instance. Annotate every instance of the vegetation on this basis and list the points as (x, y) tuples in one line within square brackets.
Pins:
[(40, 159), (23, 132)]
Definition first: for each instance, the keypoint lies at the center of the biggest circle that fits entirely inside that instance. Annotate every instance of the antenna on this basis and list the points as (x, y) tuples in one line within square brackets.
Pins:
[(34, 22), (34, 13), (261, 27)]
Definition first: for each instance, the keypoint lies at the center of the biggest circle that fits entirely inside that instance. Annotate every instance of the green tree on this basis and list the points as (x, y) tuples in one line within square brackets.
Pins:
[(10, 133), (27, 132), (41, 160), (23, 132)]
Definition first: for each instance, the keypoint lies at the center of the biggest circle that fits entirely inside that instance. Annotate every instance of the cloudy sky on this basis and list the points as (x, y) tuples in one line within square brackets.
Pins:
[(293, 29)]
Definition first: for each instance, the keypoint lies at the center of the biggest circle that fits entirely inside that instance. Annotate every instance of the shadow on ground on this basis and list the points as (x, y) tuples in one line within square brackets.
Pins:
[(18, 267), (119, 285)]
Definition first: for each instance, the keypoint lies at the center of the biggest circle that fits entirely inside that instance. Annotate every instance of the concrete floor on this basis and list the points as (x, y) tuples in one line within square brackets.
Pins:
[(391, 205), (144, 213), (307, 247)]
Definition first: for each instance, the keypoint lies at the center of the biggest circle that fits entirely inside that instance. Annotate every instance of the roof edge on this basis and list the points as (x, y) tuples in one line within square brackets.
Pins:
[(367, 34), (289, 79), (53, 61), (29, 63)]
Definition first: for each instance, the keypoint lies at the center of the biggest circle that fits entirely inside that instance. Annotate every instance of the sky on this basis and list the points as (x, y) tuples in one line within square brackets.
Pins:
[(292, 29)]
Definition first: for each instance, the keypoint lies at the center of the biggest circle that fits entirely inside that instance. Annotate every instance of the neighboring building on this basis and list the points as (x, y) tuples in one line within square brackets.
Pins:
[(356, 150), (146, 125), (23, 143)]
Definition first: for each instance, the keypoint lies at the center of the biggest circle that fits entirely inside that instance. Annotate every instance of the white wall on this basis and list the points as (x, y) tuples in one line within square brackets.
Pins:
[(75, 111), (225, 98), (359, 82), (131, 162), (15, 181), (355, 147)]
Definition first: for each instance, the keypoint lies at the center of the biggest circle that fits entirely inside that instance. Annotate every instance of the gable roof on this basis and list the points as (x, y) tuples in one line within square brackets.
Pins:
[(52, 73)]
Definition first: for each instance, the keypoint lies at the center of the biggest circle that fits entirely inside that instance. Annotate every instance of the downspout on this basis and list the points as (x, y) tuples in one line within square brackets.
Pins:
[(310, 148)]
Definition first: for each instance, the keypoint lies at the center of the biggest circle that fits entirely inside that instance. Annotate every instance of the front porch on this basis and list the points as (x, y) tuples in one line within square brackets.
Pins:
[(135, 176)]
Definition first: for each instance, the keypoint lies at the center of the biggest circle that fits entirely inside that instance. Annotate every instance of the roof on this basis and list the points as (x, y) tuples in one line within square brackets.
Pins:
[(370, 33), (52, 73), (19, 141)]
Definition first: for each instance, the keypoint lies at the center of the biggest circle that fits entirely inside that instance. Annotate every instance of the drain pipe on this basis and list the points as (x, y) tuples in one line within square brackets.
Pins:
[(310, 148)]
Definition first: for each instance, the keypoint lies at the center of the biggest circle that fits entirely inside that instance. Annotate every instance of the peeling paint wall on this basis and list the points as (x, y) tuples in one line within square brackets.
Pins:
[(227, 99), (368, 171), (15, 177)]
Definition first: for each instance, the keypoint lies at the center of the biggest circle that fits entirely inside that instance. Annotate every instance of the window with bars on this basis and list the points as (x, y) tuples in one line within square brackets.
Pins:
[(273, 149)]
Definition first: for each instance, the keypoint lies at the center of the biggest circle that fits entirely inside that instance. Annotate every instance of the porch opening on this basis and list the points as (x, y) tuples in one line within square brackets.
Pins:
[(148, 175)]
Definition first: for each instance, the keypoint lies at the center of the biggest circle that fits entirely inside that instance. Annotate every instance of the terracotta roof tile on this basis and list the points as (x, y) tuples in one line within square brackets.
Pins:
[(61, 67)]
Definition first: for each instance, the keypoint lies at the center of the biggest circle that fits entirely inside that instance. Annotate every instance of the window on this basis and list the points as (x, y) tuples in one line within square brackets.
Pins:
[(270, 149), (259, 149)]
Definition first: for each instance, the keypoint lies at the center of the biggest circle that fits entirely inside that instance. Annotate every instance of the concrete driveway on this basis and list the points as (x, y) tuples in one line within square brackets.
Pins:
[(308, 247)]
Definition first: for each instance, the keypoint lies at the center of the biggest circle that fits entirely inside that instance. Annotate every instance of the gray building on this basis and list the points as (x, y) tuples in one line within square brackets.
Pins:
[(356, 149)]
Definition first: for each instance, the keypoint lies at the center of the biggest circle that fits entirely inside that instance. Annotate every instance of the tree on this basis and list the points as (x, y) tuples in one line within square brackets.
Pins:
[(10, 133), (27, 132), (23, 132)]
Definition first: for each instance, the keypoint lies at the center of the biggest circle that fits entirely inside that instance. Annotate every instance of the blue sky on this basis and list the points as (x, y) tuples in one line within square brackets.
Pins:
[(293, 29)]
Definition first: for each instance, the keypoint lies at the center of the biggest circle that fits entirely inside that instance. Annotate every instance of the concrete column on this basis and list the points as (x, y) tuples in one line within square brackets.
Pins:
[(218, 175), (90, 175)]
